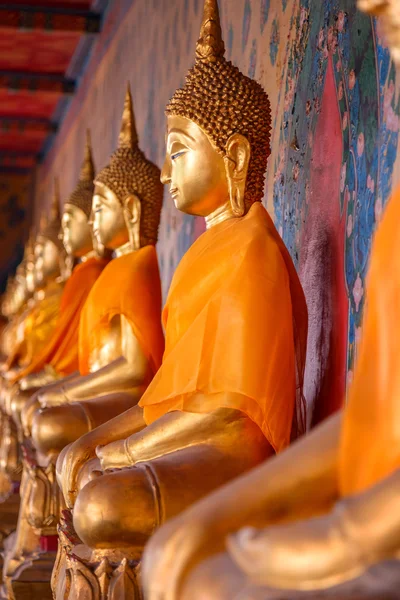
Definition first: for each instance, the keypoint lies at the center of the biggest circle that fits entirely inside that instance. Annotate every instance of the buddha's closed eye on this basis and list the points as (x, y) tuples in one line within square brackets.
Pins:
[(177, 154)]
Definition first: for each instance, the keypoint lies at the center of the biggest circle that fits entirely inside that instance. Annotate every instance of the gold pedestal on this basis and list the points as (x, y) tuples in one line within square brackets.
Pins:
[(83, 574)]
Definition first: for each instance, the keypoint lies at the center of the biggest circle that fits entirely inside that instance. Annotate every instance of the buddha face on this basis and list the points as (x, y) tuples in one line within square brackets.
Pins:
[(76, 231), (47, 261), (193, 169), (107, 219)]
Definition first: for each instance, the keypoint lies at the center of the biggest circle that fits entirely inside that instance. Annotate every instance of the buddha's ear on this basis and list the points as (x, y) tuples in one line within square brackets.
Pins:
[(132, 212), (237, 158), (132, 209)]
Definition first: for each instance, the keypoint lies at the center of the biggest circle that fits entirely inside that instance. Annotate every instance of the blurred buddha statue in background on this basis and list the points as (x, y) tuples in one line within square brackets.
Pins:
[(224, 398), (321, 520), (59, 356), (121, 341)]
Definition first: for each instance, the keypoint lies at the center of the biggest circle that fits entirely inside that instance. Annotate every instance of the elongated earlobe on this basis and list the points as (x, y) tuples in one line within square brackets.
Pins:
[(237, 160), (132, 214)]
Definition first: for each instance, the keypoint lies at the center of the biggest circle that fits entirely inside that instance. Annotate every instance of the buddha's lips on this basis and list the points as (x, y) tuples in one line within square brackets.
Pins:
[(173, 192)]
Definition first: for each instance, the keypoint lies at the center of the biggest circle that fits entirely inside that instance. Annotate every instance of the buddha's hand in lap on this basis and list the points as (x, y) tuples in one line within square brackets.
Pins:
[(114, 456), (76, 456), (53, 397), (304, 555), (170, 553)]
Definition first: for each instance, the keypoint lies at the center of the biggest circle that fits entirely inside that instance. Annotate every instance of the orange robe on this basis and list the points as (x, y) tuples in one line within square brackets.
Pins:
[(235, 322), (61, 352), (129, 286), (36, 325), (370, 444)]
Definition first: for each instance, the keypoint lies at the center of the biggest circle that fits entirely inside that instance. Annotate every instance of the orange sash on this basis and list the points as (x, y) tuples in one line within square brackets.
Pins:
[(370, 445), (38, 325), (235, 321), (129, 286), (62, 350)]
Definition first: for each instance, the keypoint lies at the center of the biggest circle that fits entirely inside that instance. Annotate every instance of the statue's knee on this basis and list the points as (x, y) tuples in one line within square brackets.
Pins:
[(216, 578), (19, 400), (105, 517), (27, 415), (56, 427)]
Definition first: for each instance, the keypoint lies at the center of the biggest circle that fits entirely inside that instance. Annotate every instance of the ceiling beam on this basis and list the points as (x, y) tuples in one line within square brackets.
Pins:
[(49, 18), (20, 124), (36, 82), (13, 155)]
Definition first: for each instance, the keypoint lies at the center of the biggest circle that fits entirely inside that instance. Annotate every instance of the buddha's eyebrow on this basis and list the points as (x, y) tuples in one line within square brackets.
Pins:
[(180, 132)]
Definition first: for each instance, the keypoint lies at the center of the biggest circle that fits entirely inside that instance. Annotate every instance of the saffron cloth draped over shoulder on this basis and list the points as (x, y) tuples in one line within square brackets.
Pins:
[(235, 322), (62, 350), (41, 322), (129, 286), (370, 448)]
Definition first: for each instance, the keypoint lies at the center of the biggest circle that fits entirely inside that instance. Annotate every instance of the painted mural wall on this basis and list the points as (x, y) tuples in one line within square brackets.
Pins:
[(335, 102)]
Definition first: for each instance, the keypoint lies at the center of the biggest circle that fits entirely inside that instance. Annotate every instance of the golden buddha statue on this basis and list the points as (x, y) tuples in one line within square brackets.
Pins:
[(41, 318), (321, 519), (126, 210), (60, 355), (221, 402), (121, 340)]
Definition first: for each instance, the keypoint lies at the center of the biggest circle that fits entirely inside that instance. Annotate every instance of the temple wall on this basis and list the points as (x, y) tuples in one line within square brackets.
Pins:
[(15, 195), (335, 106)]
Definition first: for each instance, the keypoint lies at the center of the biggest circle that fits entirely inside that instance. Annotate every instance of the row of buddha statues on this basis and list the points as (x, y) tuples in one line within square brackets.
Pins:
[(159, 454)]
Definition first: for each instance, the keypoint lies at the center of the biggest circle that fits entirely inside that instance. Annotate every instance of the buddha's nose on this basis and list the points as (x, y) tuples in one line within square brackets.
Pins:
[(166, 172)]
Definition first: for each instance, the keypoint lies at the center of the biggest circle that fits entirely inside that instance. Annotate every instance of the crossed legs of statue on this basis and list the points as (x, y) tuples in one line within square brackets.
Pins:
[(349, 554), (51, 430), (380, 582), (116, 512)]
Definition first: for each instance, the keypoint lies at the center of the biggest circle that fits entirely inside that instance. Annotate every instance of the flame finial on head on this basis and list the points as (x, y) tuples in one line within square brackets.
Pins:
[(55, 203), (30, 246), (128, 137), (82, 195), (87, 169), (210, 45), (52, 226)]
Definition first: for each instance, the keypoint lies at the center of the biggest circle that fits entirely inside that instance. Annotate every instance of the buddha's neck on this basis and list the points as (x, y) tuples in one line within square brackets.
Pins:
[(124, 249), (222, 213)]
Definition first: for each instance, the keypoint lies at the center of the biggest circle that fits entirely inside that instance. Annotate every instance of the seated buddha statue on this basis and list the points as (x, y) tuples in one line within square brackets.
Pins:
[(224, 398), (41, 318), (120, 338), (121, 318), (321, 520), (59, 357), (18, 302)]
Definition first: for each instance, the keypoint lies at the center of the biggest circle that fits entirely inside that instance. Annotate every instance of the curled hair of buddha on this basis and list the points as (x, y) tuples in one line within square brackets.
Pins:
[(50, 227), (82, 196), (223, 101), (129, 172)]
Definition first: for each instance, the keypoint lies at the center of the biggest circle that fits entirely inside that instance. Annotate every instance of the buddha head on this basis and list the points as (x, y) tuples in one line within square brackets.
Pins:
[(49, 250), (75, 222), (388, 12), (218, 132), (128, 194)]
